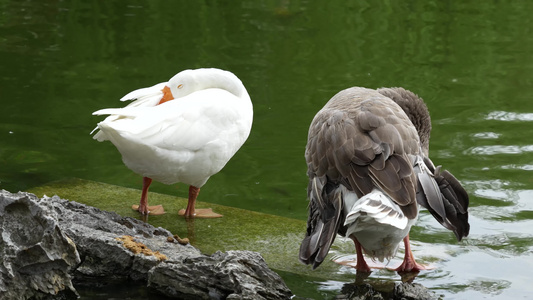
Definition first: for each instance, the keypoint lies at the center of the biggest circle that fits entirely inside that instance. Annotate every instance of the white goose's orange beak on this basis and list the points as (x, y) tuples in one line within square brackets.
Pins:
[(167, 95)]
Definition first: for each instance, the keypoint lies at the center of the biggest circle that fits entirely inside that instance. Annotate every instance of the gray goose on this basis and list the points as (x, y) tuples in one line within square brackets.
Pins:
[(369, 170)]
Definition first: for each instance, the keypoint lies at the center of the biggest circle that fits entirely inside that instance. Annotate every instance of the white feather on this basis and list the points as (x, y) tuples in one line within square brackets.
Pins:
[(143, 93)]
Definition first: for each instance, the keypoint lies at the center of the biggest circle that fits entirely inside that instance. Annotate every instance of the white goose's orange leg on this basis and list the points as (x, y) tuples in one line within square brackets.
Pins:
[(193, 194), (409, 264), (191, 212), (143, 207)]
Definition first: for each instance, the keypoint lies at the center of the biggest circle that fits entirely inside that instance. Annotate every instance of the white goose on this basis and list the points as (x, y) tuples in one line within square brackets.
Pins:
[(369, 170), (184, 130)]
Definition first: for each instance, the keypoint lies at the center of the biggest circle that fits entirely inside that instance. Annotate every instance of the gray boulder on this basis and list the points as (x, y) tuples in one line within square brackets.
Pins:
[(36, 256), (386, 290), (70, 238), (219, 274)]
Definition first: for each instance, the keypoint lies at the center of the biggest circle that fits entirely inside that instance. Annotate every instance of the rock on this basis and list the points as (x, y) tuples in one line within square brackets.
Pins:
[(37, 257), (386, 290), (105, 245), (413, 291), (217, 273), (97, 235)]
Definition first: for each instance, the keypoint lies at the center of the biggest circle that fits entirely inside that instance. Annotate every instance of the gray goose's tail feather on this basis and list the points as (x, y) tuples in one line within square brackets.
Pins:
[(444, 197), (325, 219)]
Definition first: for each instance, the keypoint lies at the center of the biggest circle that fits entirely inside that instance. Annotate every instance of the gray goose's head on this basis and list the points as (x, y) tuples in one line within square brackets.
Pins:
[(416, 110)]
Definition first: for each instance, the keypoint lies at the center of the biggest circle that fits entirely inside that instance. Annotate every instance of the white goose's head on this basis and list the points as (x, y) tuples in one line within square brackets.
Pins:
[(190, 81)]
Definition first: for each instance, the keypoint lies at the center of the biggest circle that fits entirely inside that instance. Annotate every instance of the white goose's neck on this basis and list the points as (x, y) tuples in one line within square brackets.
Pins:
[(229, 83), (201, 79)]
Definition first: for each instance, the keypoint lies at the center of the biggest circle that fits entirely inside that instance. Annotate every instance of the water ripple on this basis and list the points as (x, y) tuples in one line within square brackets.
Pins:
[(486, 135), (517, 167), (509, 116), (499, 149)]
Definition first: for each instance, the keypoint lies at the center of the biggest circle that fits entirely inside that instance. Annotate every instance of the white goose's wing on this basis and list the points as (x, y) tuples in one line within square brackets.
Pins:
[(192, 123), (145, 97), (142, 95)]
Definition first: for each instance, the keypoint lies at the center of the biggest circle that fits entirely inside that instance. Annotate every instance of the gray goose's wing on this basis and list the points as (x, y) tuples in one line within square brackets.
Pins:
[(360, 140), (450, 208), (438, 191)]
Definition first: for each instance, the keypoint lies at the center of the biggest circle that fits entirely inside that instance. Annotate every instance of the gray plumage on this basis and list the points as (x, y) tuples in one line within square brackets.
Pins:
[(363, 140)]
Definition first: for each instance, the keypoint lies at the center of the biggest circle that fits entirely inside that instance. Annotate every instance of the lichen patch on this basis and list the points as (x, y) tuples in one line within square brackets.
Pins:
[(139, 248)]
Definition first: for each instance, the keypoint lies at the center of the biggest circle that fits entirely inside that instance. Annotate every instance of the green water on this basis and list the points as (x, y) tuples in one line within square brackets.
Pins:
[(471, 61)]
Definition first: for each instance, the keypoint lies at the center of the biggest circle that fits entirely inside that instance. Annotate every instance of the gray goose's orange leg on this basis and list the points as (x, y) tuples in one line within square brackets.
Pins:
[(409, 264), (361, 265)]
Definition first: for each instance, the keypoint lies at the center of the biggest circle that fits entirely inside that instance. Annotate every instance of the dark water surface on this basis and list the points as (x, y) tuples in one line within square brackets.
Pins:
[(471, 61)]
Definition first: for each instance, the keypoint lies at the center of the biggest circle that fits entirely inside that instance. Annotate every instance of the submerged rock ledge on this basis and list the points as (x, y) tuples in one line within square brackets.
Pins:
[(46, 242)]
